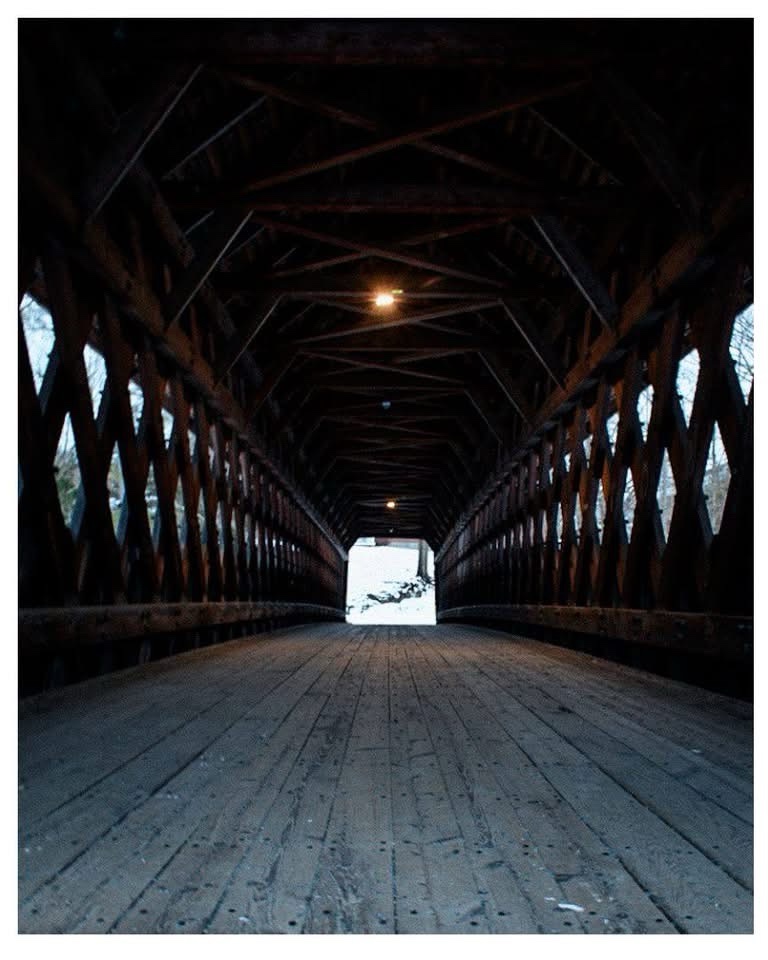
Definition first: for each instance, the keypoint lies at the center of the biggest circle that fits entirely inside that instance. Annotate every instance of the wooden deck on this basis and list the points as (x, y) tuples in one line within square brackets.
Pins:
[(339, 779)]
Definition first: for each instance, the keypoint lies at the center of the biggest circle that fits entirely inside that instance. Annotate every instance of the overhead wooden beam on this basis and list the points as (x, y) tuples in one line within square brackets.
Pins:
[(217, 133), (347, 42), (384, 253), (103, 118), (510, 389), (375, 322), (272, 378), (134, 132), (221, 235), (412, 241), (573, 145), (648, 134), (532, 93), (242, 338), (337, 295), (428, 199), (382, 425), (578, 269), (372, 365), (488, 416), (538, 346), (352, 118)]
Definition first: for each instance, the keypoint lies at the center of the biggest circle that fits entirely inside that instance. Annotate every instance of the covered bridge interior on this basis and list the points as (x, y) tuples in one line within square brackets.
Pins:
[(276, 274)]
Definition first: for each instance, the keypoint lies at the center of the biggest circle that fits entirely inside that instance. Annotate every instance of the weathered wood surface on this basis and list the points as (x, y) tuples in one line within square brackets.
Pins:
[(730, 639), (58, 628), (385, 779)]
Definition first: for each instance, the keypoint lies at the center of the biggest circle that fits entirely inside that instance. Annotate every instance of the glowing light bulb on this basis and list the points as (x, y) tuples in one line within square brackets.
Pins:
[(384, 300), (391, 504)]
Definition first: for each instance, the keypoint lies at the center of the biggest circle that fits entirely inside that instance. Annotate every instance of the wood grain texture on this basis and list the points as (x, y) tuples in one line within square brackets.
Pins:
[(340, 779)]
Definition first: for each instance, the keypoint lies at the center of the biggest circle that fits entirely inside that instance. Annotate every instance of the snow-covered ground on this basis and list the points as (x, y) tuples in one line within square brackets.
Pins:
[(388, 571)]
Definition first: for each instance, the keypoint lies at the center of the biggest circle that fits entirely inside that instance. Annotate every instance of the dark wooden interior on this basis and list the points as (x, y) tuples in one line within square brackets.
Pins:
[(562, 214)]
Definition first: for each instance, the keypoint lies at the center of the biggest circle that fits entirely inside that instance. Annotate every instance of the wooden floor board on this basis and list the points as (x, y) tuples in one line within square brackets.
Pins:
[(701, 818), (342, 779), (681, 877)]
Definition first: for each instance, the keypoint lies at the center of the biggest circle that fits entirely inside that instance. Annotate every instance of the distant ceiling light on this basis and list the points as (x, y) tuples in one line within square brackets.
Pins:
[(386, 404), (384, 300), (391, 504)]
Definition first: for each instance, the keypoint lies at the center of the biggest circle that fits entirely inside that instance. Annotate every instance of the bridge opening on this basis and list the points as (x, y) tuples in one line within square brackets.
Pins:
[(391, 581)]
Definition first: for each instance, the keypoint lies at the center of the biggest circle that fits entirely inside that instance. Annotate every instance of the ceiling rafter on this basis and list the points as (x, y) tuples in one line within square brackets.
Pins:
[(534, 93)]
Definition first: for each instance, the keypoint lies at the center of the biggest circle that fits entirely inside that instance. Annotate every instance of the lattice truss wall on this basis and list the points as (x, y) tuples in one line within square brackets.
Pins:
[(637, 496), (169, 504), (135, 490)]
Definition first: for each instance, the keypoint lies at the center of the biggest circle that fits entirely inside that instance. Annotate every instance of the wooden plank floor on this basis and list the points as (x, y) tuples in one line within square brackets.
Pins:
[(338, 779)]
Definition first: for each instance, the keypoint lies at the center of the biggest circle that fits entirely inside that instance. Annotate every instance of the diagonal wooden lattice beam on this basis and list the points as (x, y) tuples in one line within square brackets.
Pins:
[(239, 342), (509, 387), (537, 344), (374, 250), (648, 134), (415, 240), (374, 322), (222, 233), (533, 93), (578, 269), (132, 136)]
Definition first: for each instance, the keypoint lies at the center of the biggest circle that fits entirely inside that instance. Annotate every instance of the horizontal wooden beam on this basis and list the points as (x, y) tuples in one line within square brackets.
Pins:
[(63, 628), (354, 42), (427, 199), (729, 639)]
